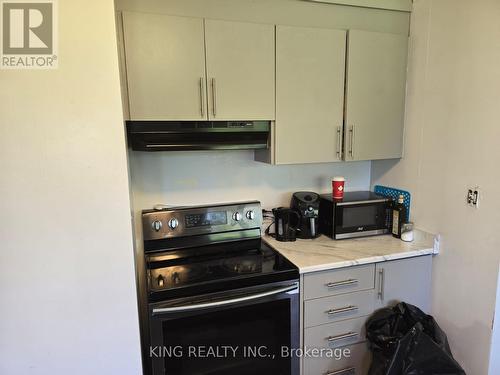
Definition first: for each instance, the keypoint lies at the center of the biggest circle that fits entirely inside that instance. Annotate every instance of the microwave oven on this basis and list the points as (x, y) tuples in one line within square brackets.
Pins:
[(358, 214)]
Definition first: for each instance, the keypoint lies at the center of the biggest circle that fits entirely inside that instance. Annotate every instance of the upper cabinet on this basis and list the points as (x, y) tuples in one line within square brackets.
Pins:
[(310, 65), (375, 95), (167, 66), (341, 91), (240, 70)]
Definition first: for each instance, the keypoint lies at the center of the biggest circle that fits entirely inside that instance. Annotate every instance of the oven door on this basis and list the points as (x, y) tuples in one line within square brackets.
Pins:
[(245, 331), (362, 219)]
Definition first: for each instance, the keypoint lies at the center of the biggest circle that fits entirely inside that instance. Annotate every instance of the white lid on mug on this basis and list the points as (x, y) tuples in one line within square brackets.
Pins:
[(338, 178)]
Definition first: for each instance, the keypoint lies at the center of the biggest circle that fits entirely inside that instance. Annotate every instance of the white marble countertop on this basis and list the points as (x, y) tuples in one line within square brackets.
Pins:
[(323, 253)]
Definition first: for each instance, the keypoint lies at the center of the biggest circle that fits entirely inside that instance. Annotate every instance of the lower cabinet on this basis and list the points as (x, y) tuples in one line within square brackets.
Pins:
[(407, 280), (348, 360), (337, 303)]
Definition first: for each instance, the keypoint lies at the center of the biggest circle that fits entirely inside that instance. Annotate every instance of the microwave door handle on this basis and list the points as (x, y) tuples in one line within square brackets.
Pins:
[(226, 302)]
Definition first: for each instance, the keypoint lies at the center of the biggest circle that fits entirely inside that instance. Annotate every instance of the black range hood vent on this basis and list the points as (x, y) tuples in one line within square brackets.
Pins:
[(198, 135)]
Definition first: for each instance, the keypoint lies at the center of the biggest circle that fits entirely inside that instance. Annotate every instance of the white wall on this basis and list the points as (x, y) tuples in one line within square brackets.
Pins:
[(451, 143), (185, 178), (67, 281)]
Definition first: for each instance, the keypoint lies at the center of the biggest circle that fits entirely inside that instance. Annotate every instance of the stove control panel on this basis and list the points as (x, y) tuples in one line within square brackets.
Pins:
[(187, 221)]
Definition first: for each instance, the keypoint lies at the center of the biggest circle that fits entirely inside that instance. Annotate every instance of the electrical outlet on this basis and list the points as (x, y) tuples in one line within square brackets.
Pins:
[(473, 197)]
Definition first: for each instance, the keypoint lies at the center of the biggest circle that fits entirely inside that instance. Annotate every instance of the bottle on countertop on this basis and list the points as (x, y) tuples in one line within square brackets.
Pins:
[(398, 217)]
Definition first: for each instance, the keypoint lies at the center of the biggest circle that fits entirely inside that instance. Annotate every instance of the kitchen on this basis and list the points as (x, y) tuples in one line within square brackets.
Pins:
[(84, 162)]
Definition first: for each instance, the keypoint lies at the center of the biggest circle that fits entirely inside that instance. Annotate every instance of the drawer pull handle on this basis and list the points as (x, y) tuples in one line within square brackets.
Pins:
[(341, 310), (342, 337), (344, 371), (341, 283)]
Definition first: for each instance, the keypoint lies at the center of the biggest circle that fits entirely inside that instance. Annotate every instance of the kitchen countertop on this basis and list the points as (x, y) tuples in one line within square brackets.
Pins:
[(323, 253)]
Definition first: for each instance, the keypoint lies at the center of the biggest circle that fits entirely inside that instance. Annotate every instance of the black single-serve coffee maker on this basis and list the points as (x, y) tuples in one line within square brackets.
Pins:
[(286, 221), (306, 204)]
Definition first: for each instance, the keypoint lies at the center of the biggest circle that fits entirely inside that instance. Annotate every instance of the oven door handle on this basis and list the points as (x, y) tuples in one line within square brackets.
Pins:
[(163, 310)]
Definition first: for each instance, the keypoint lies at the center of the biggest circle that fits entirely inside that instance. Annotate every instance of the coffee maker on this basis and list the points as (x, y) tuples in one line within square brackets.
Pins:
[(306, 204)]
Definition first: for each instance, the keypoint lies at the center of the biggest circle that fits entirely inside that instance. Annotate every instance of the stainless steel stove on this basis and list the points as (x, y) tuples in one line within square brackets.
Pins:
[(213, 285)]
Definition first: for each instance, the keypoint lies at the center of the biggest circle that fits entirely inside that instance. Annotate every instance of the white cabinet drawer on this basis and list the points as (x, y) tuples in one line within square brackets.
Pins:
[(337, 308), (355, 361), (334, 335), (339, 281)]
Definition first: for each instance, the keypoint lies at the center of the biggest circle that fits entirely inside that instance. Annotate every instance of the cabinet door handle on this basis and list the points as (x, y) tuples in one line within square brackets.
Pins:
[(342, 310), (202, 95), (381, 282), (344, 371), (342, 336), (341, 283), (214, 98), (339, 142), (351, 141)]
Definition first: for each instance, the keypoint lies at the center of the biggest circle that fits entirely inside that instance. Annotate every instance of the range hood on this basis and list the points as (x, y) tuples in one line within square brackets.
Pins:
[(198, 135)]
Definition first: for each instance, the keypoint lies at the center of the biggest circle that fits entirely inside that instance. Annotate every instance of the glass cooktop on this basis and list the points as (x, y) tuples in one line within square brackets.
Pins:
[(213, 268)]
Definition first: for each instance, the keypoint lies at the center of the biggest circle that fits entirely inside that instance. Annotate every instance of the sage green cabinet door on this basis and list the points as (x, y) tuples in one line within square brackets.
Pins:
[(375, 95), (240, 70), (404, 280), (310, 66), (165, 64)]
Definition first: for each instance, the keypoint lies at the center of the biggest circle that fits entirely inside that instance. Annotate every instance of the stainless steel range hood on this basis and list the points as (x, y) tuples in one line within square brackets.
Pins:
[(198, 135)]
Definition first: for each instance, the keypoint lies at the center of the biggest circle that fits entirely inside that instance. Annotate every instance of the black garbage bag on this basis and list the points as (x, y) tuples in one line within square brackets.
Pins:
[(406, 341)]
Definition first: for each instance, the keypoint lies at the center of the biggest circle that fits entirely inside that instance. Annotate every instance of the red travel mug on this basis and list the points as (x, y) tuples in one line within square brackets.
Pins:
[(338, 187)]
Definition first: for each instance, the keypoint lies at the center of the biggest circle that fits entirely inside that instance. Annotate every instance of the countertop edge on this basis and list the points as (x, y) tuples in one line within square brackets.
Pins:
[(425, 239), (357, 262)]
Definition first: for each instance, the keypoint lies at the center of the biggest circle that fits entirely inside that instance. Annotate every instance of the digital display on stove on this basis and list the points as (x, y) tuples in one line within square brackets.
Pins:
[(208, 218)]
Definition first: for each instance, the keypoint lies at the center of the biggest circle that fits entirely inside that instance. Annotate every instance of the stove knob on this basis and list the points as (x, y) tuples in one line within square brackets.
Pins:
[(161, 281), (173, 223), (157, 225), (237, 216), (250, 215)]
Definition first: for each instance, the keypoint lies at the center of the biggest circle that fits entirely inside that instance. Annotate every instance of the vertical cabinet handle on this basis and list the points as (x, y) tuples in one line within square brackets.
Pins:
[(339, 142), (351, 141), (202, 95), (214, 98), (381, 282)]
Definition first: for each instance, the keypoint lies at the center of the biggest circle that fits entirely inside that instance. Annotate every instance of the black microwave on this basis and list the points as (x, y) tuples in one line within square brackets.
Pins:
[(358, 214)]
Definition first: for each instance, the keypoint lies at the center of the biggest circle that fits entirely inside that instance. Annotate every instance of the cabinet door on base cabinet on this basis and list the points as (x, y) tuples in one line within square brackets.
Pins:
[(404, 280)]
